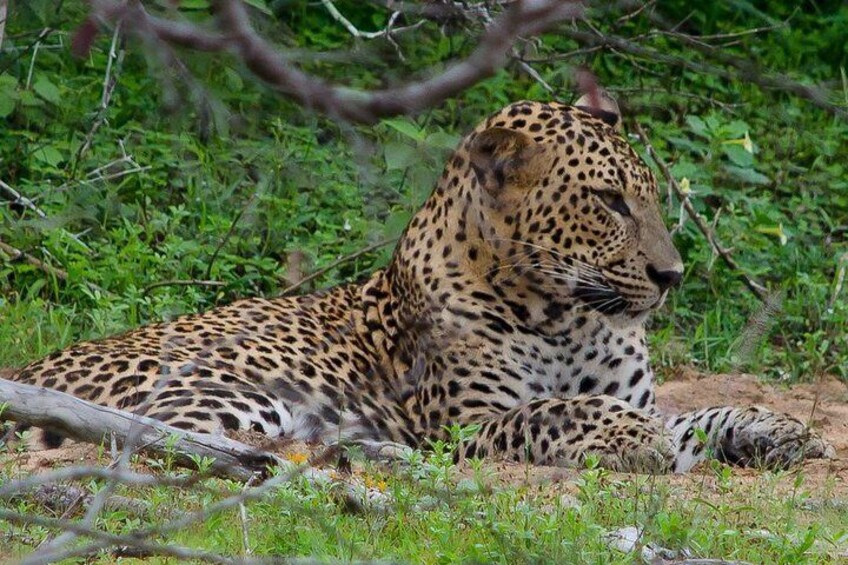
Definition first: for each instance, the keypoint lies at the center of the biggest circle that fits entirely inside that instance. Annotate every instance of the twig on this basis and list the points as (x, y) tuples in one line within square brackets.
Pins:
[(4, 5), (838, 280), (725, 106), (758, 289), (228, 235), (85, 472), (119, 461), (641, 7), (16, 198), (190, 282), (110, 81), (745, 70), (106, 539), (42, 35), (16, 254), (35, 47), (336, 263), (352, 29), (487, 18), (756, 327), (245, 540)]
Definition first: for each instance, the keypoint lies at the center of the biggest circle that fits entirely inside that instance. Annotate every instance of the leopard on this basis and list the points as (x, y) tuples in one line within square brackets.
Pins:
[(515, 305)]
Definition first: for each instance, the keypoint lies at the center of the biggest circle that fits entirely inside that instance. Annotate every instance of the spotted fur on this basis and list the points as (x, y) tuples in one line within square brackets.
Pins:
[(515, 300)]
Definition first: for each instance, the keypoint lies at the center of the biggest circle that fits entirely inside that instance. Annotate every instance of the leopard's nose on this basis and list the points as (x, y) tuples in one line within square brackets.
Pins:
[(664, 279)]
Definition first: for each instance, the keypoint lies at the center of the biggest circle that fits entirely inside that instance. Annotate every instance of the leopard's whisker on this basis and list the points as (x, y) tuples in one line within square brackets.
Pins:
[(552, 252)]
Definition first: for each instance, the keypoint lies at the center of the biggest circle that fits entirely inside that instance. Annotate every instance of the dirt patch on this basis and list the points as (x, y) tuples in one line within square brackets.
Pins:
[(823, 404)]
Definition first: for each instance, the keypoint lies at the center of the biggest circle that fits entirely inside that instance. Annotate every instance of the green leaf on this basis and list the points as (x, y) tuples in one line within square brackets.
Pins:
[(7, 102), (189, 4), (697, 126), (396, 222), (747, 175), (443, 140), (47, 90), (233, 80), (738, 155), (399, 155), (693, 145), (406, 127), (35, 288), (736, 128), (8, 83), (27, 98), (49, 155)]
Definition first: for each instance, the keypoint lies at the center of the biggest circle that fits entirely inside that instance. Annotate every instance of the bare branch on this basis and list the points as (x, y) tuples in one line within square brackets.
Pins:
[(352, 29), (110, 81), (106, 539), (18, 199), (229, 234), (20, 486), (4, 7), (234, 32), (838, 280), (745, 70), (340, 261)]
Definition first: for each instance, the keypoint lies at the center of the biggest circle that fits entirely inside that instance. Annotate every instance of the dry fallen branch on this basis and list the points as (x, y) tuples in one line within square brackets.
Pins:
[(758, 289), (91, 423), (234, 32)]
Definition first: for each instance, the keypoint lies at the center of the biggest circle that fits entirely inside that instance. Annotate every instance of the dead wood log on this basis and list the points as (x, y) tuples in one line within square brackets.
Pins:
[(92, 423)]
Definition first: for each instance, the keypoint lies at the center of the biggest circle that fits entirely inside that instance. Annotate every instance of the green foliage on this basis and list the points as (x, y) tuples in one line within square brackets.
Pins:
[(174, 185), (439, 515)]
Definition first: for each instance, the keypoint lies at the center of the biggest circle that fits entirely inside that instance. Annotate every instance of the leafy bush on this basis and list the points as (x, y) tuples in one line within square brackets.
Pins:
[(219, 179)]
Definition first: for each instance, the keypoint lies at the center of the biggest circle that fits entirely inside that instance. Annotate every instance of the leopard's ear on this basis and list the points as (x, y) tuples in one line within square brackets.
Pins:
[(599, 103), (502, 157)]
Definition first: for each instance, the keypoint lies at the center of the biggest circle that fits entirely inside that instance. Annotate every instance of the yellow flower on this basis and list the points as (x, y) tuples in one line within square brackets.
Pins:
[(776, 231), (747, 144), (684, 184), (744, 141), (298, 458), (378, 484)]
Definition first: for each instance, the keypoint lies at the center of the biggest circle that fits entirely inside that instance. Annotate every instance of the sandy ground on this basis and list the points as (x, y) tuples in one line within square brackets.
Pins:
[(824, 404)]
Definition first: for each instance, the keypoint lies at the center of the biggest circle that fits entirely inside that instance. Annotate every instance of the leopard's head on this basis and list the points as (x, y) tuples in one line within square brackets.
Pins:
[(566, 205)]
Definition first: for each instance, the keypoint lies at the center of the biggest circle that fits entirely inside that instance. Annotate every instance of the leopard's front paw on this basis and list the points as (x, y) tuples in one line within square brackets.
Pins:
[(775, 441), (639, 447)]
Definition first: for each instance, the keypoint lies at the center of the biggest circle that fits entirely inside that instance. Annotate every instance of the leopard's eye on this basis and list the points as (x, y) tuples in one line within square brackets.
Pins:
[(614, 200)]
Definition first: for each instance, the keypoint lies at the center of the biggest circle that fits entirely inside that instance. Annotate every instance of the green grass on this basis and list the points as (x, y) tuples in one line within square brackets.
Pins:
[(441, 514), (232, 190)]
